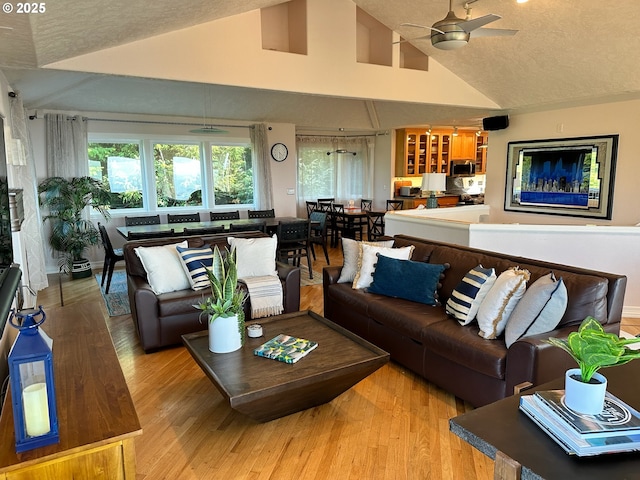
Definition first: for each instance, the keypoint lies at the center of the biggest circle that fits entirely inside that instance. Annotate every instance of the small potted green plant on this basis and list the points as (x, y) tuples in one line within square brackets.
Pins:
[(71, 233), (592, 348), (225, 305)]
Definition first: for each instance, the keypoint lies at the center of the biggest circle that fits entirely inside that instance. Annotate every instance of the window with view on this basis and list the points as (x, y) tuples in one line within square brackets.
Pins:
[(178, 173)]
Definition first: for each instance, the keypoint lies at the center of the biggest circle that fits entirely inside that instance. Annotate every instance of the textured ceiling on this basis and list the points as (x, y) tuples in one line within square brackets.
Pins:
[(565, 53)]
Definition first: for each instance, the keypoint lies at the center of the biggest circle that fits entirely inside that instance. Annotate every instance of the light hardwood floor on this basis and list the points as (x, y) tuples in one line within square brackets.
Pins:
[(392, 425)]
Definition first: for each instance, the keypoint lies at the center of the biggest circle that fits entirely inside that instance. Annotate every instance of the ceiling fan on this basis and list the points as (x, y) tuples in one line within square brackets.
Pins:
[(452, 32)]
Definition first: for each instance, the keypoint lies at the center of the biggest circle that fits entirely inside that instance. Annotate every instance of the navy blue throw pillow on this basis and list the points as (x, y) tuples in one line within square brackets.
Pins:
[(416, 281)]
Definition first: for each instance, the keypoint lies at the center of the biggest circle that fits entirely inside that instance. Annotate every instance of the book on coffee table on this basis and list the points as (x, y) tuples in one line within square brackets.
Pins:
[(285, 348), (616, 418), (571, 441)]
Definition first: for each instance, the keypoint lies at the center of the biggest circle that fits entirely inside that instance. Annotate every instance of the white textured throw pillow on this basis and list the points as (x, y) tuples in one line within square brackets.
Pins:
[(497, 306), (368, 259), (164, 267), (255, 257), (351, 253), (539, 311)]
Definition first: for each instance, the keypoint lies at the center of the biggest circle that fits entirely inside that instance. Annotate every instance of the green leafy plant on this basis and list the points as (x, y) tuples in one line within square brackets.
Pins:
[(227, 298), (65, 200), (593, 348)]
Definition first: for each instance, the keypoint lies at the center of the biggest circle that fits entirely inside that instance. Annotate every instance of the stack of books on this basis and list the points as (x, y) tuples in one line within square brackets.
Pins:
[(616, 429)]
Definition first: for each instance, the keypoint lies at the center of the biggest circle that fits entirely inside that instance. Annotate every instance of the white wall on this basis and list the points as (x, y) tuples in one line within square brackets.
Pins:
[(611, 118)]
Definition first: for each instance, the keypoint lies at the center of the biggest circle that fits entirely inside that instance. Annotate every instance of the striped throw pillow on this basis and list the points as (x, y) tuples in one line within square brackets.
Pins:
[(466, 298), (195, 261)]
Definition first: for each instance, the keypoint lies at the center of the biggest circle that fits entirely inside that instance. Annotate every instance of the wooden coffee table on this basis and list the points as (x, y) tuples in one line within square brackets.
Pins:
[(266, 389)]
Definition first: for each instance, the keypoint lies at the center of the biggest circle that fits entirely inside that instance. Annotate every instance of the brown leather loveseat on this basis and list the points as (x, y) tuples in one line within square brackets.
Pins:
[(427, 341), (161, 320)]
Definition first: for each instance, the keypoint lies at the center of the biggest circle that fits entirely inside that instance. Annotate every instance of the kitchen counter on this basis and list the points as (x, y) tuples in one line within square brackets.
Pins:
[(444, 200)]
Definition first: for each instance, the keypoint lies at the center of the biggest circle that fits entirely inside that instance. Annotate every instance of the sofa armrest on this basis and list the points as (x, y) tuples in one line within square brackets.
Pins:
[(144, 310), (290, 278), (331, 275)]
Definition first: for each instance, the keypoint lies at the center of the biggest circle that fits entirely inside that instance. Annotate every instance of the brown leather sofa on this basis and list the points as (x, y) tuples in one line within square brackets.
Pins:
[(427, 341), (161, 320)]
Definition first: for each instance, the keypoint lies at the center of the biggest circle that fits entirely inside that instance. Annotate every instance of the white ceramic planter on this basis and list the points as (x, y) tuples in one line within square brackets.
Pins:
[(224, 335), (587, 398)]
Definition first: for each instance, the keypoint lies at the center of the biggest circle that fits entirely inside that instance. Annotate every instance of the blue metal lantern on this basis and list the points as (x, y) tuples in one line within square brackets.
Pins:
[(32, 389)]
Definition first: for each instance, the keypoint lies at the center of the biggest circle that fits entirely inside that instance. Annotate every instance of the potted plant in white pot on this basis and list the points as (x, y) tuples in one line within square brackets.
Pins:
[(225, 306), (71, 233), (592, 348)]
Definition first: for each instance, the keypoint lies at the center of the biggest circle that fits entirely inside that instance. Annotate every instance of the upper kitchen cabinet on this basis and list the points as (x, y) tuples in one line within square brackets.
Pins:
[(463, 146), (411, 152), (481, 153)]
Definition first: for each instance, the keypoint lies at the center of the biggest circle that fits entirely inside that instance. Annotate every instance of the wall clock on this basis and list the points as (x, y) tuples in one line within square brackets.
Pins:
[(279, 152)]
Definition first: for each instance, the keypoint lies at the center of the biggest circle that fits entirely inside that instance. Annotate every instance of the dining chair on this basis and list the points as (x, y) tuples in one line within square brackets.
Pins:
[(365, 204), (261, 213), (327, 200), (343, 225), (183, 217), (241, 227), (375, 225), (394, 204), (293, 242), (213, 216), (111, 257), (311, 206), (147, 235), (204, 230), (145, 220), (319, 233)]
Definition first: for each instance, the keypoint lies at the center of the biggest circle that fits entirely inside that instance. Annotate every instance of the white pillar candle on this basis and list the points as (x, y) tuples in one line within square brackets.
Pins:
[(36, 409)]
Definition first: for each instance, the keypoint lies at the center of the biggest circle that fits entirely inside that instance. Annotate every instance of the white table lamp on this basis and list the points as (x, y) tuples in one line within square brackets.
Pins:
[(433, 182)]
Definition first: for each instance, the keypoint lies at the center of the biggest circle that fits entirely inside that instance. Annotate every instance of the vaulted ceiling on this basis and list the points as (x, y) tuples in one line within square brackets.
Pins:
[(565, 53)]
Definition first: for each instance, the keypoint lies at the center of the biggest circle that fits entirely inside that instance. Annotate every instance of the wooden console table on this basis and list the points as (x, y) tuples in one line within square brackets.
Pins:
[(96, 416)]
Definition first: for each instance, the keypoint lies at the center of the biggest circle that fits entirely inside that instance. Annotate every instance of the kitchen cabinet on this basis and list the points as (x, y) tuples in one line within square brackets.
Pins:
[(418, 152), (463, 146), (481, 154), (411, 152)]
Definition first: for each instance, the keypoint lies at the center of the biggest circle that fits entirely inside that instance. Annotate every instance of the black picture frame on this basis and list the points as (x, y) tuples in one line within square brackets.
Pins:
[(566, 176)]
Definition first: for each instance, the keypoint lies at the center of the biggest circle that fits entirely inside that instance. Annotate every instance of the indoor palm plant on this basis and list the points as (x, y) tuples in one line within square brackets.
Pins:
[(592, 348), (71, 233), (225, 305)]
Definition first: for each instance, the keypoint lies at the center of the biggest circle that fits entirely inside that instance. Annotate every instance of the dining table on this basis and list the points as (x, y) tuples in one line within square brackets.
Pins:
[(178, 228), (353, 216)]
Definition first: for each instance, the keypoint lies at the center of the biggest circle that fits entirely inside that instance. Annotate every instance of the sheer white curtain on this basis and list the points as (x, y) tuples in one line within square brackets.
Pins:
[(22, 173), (325, 173), (260, 147), (67, 146)]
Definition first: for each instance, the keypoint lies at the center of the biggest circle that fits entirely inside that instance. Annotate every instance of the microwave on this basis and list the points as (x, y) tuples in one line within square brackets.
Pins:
[(462, 168)]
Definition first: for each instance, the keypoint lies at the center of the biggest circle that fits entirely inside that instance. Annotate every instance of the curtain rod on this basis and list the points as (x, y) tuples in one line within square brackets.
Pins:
[(340, 136), (183, 124)]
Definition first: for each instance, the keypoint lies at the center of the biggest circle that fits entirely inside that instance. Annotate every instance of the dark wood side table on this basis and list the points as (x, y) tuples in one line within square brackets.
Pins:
[(502, 432), (96, 414)]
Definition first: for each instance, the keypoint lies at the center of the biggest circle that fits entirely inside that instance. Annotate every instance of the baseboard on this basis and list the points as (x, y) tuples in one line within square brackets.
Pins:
[(631, 312)]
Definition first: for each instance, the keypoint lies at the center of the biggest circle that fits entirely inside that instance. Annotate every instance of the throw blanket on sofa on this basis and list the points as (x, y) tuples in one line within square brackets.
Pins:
[(265, 294)]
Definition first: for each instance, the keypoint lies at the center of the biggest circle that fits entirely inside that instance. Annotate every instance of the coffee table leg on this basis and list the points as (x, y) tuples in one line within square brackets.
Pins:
[(506, 468)]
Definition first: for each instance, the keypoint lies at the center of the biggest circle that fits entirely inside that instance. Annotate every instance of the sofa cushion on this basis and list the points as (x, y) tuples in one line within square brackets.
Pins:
[(350, 254), (466, 298), (164, 267), (464, 346), (539, 310), (195, 262), (417, 281), (410, 319), (368, 258), (255, 257), (500, 301)]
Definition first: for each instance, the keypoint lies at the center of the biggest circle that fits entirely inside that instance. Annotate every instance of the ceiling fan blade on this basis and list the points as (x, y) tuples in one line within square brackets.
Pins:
[(493, 32), (470, 25), (421, 26), (423, 37)]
